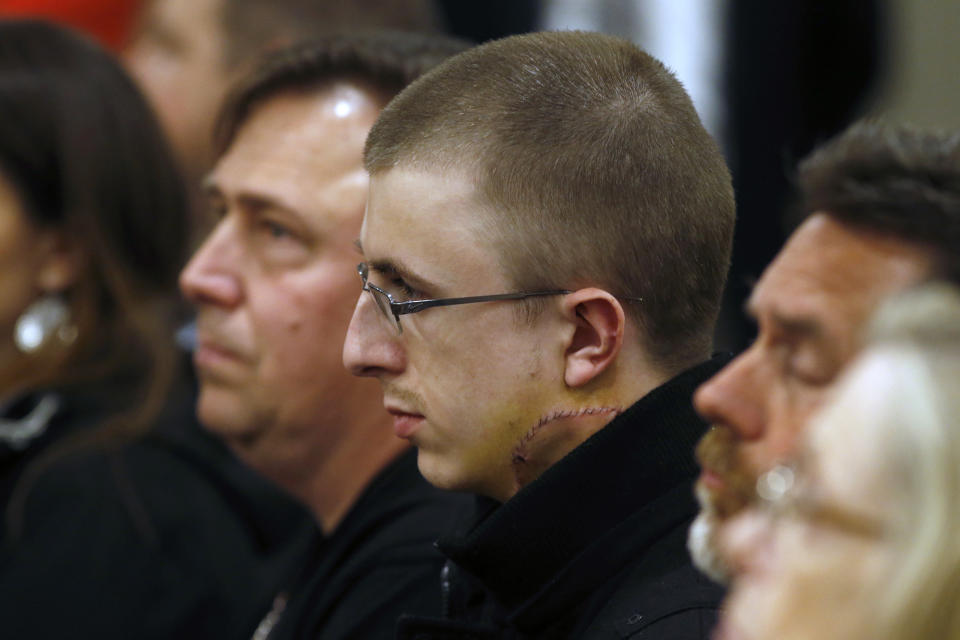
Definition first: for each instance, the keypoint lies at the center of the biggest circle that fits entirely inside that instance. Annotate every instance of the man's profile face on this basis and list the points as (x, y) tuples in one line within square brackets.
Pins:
[(177, 56), (464, 383), (275, 282), (810, 306)]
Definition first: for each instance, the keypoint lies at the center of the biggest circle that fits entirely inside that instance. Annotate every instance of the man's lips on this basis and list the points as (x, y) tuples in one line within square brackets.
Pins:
[(212, 354), (405, 423), (711, 480), (728, 492)]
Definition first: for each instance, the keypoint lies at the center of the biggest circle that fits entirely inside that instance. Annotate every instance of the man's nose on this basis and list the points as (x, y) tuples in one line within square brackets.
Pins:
[(372, 347), (734, 397), (211, 276)]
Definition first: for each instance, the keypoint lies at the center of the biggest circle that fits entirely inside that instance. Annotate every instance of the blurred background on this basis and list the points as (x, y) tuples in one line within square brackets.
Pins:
[(770, 79)]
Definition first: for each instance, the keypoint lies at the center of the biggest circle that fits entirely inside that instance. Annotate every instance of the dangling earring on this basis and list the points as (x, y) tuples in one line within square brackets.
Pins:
[(47, 317)]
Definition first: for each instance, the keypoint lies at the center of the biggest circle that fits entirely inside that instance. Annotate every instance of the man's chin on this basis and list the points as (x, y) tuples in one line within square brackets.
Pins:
[(433, 471), (702, 542), (222, 414)]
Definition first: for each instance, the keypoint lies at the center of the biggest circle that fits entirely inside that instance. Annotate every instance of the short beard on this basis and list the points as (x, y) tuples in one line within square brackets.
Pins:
[(703, 544), (718, 452)]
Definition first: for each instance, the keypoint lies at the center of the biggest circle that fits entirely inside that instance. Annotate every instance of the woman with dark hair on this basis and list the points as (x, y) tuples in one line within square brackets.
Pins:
[(94, 223), (112, 527)]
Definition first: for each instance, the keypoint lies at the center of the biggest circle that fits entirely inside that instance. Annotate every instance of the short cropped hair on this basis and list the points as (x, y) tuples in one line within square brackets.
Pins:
[(255, 26), (896, 180), (384, 61), (593, 167)]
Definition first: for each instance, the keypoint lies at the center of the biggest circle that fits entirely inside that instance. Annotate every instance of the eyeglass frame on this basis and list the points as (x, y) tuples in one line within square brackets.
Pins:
[(791, 500), (415, 306)]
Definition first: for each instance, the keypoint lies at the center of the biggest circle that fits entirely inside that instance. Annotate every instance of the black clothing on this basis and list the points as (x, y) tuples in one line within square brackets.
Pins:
[(596, 546), (379, 563), (167, 536)]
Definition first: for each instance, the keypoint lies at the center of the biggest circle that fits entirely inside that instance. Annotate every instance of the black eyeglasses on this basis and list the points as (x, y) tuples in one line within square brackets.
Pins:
[(392, 310)]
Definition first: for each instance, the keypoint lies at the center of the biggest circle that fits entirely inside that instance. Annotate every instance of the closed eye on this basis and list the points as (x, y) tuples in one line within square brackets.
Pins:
[(393, 282), (401, 285), (275, 229)]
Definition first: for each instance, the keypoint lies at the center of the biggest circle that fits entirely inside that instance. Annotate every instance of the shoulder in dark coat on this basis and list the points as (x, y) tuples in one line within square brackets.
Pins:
[(164, 537)]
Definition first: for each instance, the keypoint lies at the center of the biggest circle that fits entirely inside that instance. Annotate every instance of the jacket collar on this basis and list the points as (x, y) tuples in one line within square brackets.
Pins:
[(519, 548)]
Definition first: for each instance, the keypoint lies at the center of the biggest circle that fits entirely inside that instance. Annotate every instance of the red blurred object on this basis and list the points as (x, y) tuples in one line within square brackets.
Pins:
[(109, 21)]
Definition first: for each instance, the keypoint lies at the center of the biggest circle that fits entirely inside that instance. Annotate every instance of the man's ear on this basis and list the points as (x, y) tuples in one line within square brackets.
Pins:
[(60, 262), (597, 337)]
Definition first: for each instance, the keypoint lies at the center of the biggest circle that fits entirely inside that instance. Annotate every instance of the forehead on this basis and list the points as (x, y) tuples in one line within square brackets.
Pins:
[(182, 19), (302, 148), (432, 223), (832, 277)]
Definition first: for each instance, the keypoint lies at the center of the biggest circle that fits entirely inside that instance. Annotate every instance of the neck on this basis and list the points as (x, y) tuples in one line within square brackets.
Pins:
[(554, 435), (327, 479), (332, 491), (577, 415)]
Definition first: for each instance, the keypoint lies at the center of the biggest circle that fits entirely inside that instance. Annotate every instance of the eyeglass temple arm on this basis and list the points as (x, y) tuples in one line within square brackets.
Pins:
[(413, 306)]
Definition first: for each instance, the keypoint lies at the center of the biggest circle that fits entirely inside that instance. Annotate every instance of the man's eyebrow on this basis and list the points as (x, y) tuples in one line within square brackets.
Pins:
[(358, 245), (797, 325), (252, 201), (395, 268), (259, 202), (387, 267)]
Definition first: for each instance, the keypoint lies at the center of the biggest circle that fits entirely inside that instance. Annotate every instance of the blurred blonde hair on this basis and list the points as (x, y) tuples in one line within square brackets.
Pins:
[(917, 338)]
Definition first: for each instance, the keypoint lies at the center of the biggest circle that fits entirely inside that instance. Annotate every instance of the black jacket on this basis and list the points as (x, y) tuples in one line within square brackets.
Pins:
[(596, 546), (379, 563), (164, 537)]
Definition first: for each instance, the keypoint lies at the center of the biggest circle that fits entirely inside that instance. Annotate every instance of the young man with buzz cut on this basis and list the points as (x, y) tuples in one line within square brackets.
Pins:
[(546, 238)]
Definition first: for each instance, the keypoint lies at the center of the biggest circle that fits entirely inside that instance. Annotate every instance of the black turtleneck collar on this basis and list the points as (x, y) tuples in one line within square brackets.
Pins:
[(519, 548)]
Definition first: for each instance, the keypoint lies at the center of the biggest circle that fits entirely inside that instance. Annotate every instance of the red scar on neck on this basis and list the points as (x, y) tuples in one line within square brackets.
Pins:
[(521, 453)]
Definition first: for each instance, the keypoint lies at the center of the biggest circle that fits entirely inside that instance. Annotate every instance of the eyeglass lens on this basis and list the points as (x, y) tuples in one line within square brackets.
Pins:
[(383, 302), (379, 296)]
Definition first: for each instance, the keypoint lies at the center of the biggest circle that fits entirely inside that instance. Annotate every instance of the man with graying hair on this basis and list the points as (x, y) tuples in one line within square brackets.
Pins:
[(547, 235), (881, 207), (274, 288)]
